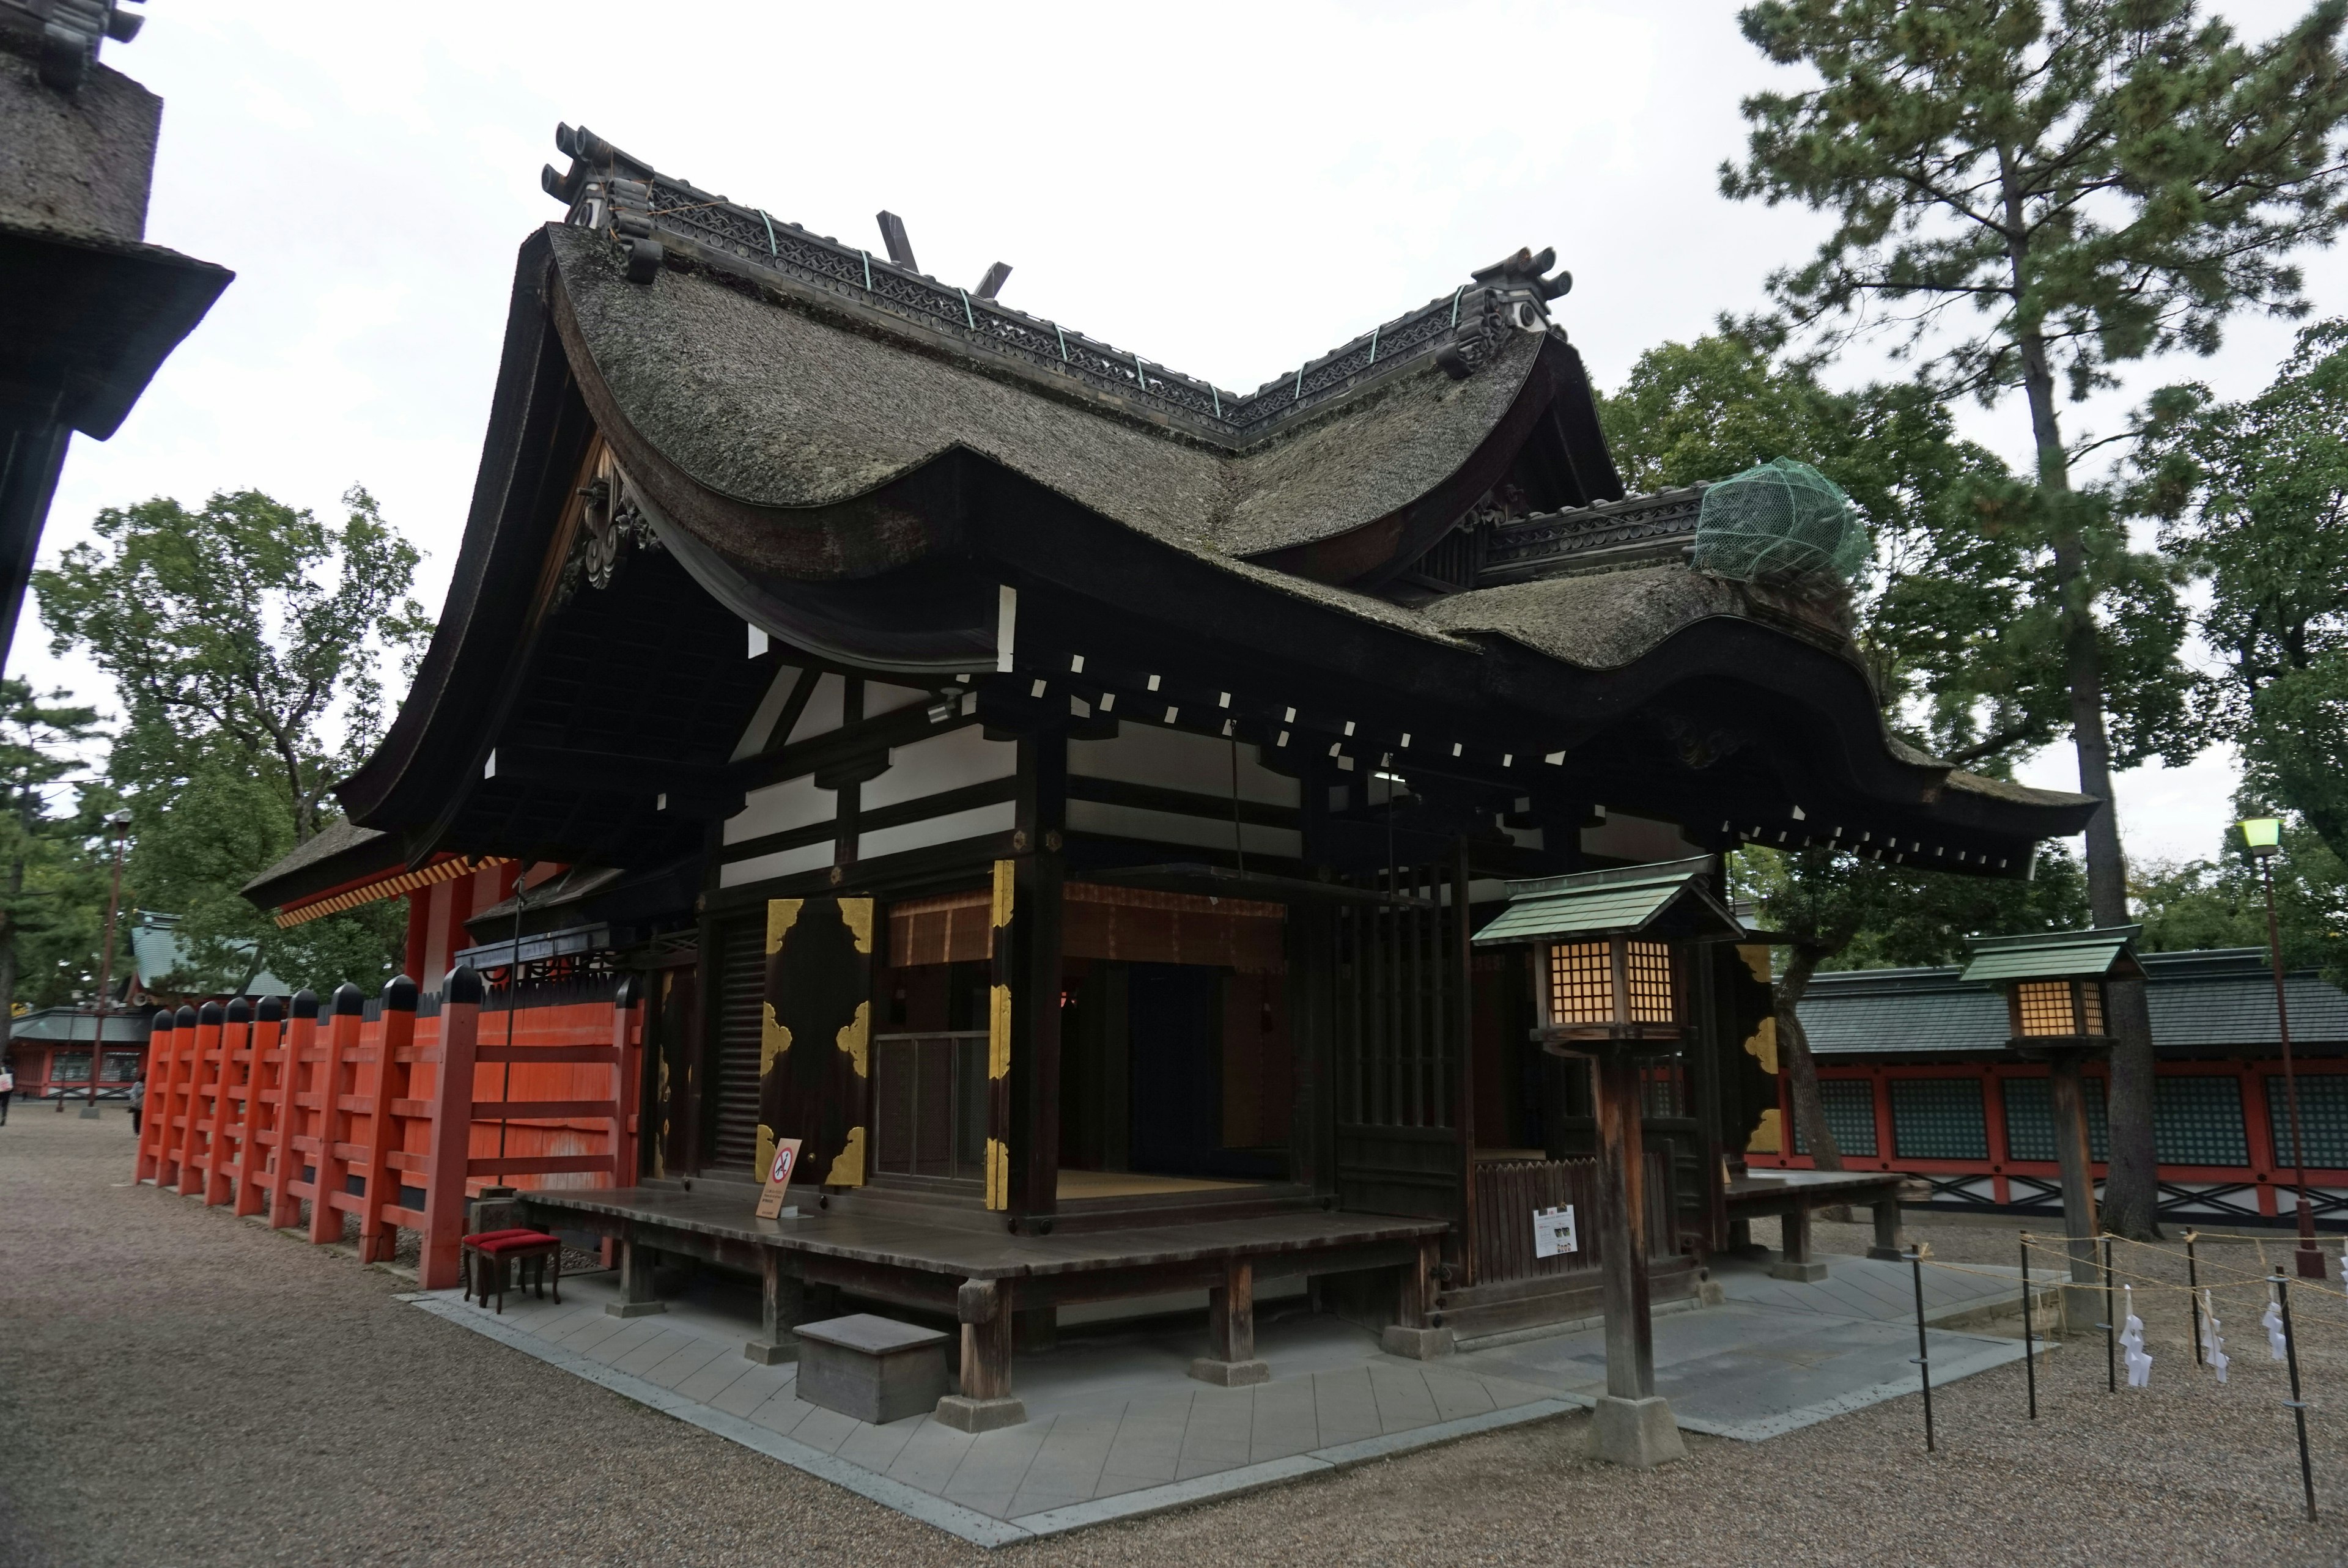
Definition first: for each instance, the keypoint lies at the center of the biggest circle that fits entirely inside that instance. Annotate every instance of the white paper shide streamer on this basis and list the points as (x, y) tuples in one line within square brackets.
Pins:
[(2218, 1360), (2271, 1321), (2139, 1360)]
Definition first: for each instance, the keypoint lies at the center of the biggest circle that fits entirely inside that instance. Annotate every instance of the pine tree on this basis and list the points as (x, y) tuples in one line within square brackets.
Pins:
[(2028, 195)]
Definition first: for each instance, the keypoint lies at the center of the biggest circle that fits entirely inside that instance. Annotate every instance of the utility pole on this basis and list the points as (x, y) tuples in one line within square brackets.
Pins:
[(2263, 836), (119, 823)]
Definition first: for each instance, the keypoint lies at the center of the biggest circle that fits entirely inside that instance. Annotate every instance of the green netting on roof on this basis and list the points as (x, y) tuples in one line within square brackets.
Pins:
[(1778, 522)]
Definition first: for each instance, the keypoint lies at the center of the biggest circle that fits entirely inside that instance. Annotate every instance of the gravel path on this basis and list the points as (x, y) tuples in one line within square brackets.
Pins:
[(178, 1385)]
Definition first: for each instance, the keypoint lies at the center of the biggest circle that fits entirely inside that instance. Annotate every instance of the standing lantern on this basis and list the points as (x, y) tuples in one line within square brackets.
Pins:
[(1609, 978), (2058, 1013)]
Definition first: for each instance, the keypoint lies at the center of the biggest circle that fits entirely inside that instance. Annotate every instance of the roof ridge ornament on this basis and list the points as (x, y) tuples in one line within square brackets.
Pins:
[(651, 215)]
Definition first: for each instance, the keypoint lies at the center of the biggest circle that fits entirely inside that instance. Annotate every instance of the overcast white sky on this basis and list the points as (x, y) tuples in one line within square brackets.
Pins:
[(1227, 189)]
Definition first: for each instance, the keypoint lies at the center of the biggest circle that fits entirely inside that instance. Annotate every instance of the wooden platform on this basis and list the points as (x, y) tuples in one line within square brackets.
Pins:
[(987, 1279), (1796, 1194), (1292, 1243)]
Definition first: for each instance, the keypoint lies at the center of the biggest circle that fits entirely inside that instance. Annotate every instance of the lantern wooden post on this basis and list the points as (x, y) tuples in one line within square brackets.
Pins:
[(2056, 1006), (1611, 979)]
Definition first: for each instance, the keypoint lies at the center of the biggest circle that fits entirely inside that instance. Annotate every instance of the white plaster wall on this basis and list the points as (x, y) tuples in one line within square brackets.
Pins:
[(1170, 828), (932, 766), (1177, 759), (778, 808)]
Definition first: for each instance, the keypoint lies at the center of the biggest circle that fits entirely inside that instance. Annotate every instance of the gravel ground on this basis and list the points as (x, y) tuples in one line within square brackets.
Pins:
[(178, 1385)]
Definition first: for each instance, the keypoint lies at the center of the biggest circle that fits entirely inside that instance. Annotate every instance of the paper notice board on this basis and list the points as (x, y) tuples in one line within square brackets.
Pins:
[(1553, 1233), (779, 1177)]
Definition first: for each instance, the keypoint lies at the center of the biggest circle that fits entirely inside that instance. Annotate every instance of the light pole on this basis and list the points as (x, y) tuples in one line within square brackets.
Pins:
[(2263, 836), (119, 823)]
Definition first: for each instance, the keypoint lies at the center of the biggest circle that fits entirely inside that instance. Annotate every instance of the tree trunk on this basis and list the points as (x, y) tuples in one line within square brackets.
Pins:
[(2132, 1181), (1801, 1067)]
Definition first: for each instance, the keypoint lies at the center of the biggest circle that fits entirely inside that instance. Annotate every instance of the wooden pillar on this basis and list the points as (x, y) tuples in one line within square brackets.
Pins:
[(394, 1038), (332, 1162), (1622, 1228), (1631, 1425), (177, 1097), (636, 1297), (2066, 1095), (1462, 962), (452, 1128), (985, 1308), (299, 1038), (1230, 1360), (156, 1114), (203, 1082), (261, 1116), (1033, 1087), (782, 1308), (628, 1080), (1891, 1239)]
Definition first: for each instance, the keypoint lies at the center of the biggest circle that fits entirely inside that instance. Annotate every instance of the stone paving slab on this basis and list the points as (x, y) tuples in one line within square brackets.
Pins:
[(1116, 1428)]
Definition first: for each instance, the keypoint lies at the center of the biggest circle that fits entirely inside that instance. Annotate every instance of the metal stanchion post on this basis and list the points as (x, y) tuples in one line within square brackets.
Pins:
[(2029, 1362), (2112, 1367), (2193, 1292), (2297, 1405), (1923, 1353)]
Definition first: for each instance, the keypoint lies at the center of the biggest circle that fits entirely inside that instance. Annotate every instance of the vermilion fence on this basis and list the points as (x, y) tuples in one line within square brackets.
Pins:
[(393, 1118)]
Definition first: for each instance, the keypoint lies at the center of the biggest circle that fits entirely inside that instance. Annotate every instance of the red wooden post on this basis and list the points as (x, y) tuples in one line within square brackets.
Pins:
[(156, 1114), (627, 1080), (301, 1038), (378, 1238), (452, 1129), (203, 1084), (332, 1162), (261, 1117), (184, 1068), (223, 1145)]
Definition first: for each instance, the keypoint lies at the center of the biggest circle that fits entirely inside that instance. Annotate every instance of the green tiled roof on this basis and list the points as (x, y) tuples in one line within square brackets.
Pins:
[(2054, 955), (1598, 903)]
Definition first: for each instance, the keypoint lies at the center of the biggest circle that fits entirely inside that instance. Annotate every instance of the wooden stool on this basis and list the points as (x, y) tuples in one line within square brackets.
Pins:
[(535, 1250)]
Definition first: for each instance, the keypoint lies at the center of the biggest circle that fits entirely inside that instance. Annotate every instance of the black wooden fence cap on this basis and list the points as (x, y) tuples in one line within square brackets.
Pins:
[(162, 1019), (463, 987), (305, 1003), (239, 1010), (209, 1013), (272, 1010), (349, 1000), (185, 1018), (399, 994)]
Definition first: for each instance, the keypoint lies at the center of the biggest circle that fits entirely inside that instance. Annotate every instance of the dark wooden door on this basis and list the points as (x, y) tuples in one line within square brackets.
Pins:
[(815, 1071)]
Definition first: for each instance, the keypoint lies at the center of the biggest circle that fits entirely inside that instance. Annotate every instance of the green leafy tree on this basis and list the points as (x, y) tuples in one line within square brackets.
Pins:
[(1941, 616), (41, 894), (1839, 911), (2253, 497), (2190, 905), (2026, 195), (246, 641)]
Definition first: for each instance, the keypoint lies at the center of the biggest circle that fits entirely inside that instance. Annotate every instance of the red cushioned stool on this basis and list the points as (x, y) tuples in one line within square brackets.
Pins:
[(540, 1254)]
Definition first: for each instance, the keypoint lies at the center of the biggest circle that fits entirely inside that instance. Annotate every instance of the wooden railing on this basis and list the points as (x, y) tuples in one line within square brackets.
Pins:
[(267, 1107), (1508, 1193)]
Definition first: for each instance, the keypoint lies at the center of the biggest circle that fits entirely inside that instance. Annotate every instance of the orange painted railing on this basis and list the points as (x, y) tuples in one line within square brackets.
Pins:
[(392, 1119)]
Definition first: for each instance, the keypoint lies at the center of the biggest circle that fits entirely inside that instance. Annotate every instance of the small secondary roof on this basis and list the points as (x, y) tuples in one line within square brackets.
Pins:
[(2104, 952), (1669, 898)]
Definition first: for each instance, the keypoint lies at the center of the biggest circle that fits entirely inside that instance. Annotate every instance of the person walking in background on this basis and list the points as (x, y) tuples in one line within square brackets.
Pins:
[(7, 1087), (138, 1099)]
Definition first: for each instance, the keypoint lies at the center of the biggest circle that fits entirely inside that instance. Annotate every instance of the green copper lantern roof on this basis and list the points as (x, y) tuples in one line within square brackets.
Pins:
[(1671, 899), (2105, 953)]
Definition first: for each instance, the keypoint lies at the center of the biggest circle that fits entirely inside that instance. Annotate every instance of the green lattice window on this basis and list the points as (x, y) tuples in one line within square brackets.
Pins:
[(1849, 1105), (2198, 1121), (2030, 1120), (2323, 1118), (1939, 1119)]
